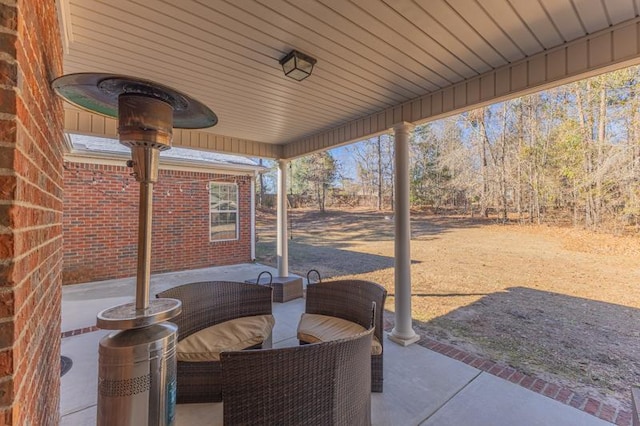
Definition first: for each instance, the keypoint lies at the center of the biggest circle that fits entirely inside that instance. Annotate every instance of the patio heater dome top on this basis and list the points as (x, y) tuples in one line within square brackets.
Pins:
[(99, 93)]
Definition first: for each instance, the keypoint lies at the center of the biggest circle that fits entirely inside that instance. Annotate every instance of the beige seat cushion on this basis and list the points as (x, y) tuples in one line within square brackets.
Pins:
[(233, 335), (315, 328)]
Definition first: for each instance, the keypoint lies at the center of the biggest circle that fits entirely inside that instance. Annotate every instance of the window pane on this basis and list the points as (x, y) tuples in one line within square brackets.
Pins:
[(223, 226)]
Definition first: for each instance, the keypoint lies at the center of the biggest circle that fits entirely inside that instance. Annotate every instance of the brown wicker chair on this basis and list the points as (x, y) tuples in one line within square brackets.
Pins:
[(205, 304), (351, 300), (324, 383)]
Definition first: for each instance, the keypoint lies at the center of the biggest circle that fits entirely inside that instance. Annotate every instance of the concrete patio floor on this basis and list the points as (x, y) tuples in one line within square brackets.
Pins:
[(421, 387)]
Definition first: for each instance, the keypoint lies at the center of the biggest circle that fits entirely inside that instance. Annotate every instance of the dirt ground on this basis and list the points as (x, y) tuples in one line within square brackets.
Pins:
[(558, 303)]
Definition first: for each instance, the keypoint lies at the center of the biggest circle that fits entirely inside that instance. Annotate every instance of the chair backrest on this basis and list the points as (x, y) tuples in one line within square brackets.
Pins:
[(325, 383), (211, 302), (350, 300)]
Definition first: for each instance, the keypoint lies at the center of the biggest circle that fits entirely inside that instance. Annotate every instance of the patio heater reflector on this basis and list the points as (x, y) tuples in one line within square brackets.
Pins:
[(137, 365)]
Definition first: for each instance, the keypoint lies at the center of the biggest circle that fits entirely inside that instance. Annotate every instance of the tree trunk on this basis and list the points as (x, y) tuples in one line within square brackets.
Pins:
[(319, 196), (584, 124), (485, 150), (602, 119), (519, 168), (392, 174), (503, 164), (380, 175)]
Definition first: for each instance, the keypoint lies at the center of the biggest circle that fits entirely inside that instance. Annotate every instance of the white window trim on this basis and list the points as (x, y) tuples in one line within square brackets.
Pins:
[(237, 212)]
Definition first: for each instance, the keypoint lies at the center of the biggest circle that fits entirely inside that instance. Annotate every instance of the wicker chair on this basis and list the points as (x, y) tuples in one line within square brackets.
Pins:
[(351, 300), (324, 383), (205, 304)]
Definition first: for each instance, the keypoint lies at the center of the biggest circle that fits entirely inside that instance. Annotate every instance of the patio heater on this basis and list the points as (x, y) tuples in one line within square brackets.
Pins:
[(137, 363)]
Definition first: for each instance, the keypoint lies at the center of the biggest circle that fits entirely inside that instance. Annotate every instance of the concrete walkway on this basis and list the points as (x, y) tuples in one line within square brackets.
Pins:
[(421, 387)]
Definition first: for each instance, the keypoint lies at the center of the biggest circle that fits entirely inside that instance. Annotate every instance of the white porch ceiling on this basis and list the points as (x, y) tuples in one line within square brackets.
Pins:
[(374, 57)]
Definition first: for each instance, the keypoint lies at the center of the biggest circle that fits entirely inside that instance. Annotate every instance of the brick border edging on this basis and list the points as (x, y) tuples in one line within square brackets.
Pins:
[(78, 331), (561, 394)]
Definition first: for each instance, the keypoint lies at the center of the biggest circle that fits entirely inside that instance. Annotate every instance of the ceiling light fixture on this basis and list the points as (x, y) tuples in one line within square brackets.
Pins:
[(297, 65)]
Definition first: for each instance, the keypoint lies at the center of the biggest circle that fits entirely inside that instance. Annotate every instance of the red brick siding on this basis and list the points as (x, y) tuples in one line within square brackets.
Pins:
[(31, 141), (100, 223)]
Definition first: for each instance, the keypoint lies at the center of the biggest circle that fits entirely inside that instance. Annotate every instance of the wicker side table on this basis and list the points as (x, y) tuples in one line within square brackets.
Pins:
[(284, 288)]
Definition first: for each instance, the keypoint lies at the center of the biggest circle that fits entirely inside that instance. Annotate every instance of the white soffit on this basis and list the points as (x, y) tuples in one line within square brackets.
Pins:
[(409, 60)]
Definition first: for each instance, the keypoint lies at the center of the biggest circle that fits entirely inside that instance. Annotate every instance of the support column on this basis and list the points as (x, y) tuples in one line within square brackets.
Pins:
[(403, 332), (282, 237)]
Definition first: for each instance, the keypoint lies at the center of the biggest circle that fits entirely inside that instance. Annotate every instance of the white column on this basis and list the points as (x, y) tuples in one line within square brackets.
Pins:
[(282, 237), (402, 332)]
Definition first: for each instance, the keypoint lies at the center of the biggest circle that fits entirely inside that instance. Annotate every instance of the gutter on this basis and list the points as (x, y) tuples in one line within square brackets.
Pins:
[(120, 159), (253, 217)]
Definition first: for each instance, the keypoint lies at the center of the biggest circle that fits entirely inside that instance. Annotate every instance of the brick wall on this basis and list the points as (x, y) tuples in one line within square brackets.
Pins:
[(100, 225), (30, 213)]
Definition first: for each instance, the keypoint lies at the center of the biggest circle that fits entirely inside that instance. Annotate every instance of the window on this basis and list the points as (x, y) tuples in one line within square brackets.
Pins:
[(223, 211)]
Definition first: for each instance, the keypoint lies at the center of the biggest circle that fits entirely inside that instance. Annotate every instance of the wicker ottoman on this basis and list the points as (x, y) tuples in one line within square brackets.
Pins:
[(284, 288)]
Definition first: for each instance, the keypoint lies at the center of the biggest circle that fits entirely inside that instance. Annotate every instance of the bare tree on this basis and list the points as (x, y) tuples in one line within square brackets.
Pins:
[(374, 168), (568, 154)]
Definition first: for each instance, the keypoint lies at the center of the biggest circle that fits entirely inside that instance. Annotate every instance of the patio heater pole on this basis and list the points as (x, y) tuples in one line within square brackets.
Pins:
[(144, 246), (137, 363), (135, 111)]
